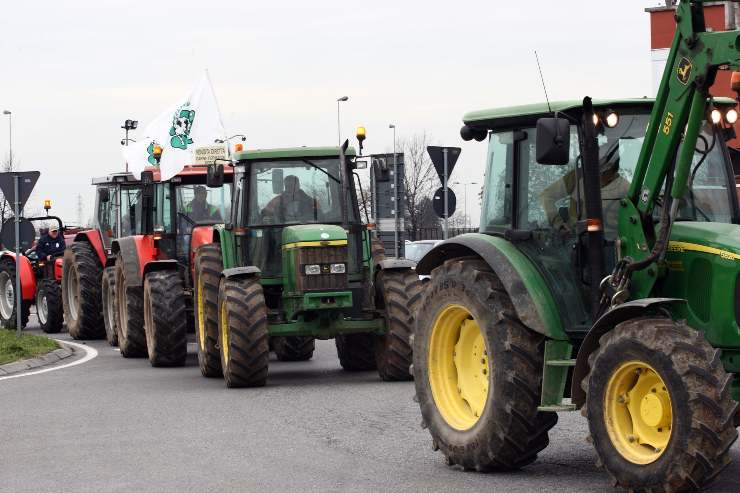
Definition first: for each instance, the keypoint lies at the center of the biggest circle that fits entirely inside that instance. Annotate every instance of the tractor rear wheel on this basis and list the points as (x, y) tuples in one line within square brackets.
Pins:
[(478, 371), (108, 295), (49, 309), (243, 335), (293, 348), (208, 266), (165, 318), (356, 351), (659, 406), (81, 279), (398, 294), (7, 298), (129, 305)]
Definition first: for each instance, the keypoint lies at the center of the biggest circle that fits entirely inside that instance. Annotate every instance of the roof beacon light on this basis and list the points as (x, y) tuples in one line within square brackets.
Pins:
[(47, 204), (731, 116), (716, 116), (612, 119), (157, 151), (238, 147)]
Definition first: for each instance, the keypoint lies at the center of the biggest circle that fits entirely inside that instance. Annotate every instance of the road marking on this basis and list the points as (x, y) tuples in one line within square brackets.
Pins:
[(90, 353)]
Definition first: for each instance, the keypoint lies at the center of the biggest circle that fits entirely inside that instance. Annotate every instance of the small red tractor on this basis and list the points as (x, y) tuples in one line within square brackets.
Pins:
[(89, 252), (40, 281), (151, 275)]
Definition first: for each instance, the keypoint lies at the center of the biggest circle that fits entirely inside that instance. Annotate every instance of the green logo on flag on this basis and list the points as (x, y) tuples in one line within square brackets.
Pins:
[(182, 123)]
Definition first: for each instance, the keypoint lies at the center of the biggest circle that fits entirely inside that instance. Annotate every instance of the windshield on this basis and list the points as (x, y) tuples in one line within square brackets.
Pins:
[(295, 192), (199, 204), (414, 251)]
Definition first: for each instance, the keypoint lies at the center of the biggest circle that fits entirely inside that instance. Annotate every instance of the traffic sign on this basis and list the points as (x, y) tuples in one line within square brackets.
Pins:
[(26, 181), (437, 154), (26, 230), (438, 202)]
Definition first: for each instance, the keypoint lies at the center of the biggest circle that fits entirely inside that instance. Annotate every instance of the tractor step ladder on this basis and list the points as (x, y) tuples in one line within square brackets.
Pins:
[(555, 374)]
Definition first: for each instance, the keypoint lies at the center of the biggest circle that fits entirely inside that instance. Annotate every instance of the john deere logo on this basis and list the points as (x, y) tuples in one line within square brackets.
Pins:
[(182, 123), (684, 70)]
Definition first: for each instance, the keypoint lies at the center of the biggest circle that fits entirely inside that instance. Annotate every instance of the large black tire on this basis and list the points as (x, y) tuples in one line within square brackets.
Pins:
[(108, 295), (293, 348), (8, 306), (129, 307), (49, 309), (503, 430), (208, 266), (398, 295), (81, 279), (356, 351), (700, 430), (243, 336), (165, 318)]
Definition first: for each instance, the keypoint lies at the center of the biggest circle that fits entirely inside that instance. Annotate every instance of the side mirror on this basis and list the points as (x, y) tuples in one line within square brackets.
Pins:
[(147, 182), (277, 181), (553, 141), (215, 175), (104, 194)]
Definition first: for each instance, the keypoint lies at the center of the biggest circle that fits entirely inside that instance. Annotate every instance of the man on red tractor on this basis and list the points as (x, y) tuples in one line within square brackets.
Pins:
[(51, 244)]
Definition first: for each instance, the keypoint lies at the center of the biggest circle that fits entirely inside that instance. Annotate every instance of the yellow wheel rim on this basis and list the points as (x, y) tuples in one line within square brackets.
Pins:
[(638, 412), (201, 315), (459, 368), (224, 315)]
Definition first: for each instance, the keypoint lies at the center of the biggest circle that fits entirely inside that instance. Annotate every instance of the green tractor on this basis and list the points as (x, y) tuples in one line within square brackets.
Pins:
[(605, 278), (295, 263)]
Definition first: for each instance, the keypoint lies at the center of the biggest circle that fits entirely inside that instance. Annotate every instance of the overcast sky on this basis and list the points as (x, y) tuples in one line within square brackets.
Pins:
[(73, 71)]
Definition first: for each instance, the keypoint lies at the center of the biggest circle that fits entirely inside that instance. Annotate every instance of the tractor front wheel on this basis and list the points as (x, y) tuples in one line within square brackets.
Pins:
[(478, 371), (7, 298), (81, 279), (659, 406), (129, 305), (293, 348), (398, 294), (108, 295), (208, 266), (242, 332), (165, 318), (49, 309)]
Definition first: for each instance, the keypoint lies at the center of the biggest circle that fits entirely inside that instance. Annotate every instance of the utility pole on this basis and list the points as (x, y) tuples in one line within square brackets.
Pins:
[(395, 193), (10, 136)]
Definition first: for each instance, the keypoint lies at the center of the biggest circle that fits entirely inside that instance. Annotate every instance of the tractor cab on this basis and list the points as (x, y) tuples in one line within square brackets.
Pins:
[(290, 201), (116, 198), (180, 212), (541, 206)]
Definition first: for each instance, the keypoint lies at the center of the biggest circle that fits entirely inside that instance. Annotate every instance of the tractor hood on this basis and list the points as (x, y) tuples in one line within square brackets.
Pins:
[(713, 238), (313, 235)]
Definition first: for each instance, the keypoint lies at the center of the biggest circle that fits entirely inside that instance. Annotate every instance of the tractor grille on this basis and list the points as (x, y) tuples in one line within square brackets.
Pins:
[(323, 256)]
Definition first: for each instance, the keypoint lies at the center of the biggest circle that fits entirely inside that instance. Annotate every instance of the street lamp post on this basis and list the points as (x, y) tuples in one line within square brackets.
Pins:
[(339, 128), (128, 125), (465, 195), (10, 136), (395, 193)]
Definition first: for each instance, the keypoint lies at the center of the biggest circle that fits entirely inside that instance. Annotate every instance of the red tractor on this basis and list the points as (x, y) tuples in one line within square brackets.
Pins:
[(152, 307), (88, 255), (40, 279)]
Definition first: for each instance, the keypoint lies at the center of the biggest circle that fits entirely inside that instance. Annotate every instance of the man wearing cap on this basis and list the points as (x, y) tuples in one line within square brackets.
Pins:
[(51, 244), (199, 209)]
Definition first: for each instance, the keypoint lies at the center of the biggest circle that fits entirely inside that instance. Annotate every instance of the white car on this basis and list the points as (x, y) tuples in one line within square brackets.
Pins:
[(415, 250)]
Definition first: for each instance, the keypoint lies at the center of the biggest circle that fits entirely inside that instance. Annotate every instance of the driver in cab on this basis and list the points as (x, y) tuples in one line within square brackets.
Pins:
[(199, 209), (292, 205)]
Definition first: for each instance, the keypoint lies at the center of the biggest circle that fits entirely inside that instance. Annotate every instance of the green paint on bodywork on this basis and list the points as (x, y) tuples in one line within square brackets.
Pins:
[(226, 239), (291, 153), (555, 371), (313, 232), (706, 279), (535, 285), (326, 326)]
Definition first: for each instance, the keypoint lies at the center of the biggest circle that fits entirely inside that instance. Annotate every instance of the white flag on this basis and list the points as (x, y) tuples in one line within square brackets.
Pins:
[(193, 122)]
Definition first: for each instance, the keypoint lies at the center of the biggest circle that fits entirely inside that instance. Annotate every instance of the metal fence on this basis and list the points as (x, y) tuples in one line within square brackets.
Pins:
[(436, 233)]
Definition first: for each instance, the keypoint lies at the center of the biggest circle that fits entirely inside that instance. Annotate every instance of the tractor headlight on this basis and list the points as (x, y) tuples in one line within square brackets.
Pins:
[(313, 269), (716, 116), (338, 269), (731, 116)]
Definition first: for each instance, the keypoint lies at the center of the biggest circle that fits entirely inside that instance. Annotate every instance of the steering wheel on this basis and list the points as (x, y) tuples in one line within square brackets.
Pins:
[(186, 217)]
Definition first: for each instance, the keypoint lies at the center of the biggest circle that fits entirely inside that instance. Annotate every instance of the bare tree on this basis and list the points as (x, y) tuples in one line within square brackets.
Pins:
[(419, 182)]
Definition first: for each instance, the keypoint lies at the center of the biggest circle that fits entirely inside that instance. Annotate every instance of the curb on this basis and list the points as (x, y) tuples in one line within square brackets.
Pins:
[(47, 359)]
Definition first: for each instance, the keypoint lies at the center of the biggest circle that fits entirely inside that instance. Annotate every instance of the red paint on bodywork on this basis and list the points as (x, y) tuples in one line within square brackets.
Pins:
[(28, 278), (93, 237), (146, 250), (58, 268), (201, 235)]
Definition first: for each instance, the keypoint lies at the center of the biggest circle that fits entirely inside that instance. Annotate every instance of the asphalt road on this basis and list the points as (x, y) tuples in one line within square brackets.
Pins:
[(115, 424)]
